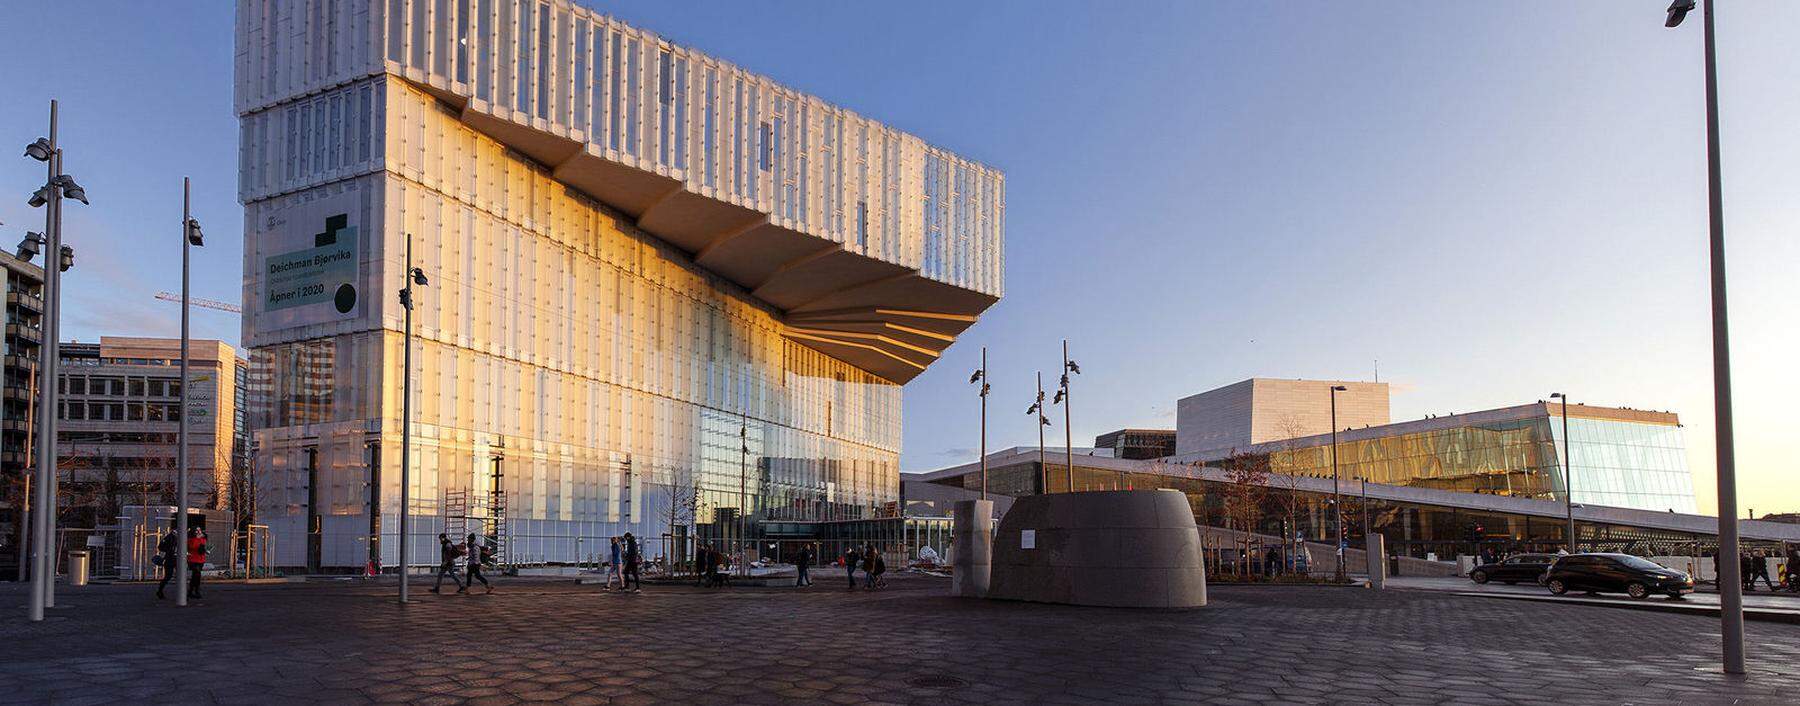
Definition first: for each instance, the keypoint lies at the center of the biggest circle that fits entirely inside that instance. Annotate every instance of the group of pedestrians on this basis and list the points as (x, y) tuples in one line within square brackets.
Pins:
[(711, 566), (478, 553), (626, 563), (872, 564), (169, 552)]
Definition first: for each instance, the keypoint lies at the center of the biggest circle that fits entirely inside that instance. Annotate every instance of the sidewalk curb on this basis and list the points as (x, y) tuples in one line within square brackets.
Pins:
[(1757, 614)]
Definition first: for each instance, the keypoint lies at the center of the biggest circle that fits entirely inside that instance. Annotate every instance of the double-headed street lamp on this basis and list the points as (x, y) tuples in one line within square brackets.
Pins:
[(414, 276), (1568, 471), (1070, 367), (980, 376), (1337, 503), (1731, 596), (190, 238), (1037, 409), (57, 186)]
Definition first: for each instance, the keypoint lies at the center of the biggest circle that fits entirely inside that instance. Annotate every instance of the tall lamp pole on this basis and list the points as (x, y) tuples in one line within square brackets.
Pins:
[(1568, 471), (57, 185), (413, 276), (1731, 596), (190, 237), (1062, 398), (1337, 503), (981, 377), (743, 494), (1037, 408)]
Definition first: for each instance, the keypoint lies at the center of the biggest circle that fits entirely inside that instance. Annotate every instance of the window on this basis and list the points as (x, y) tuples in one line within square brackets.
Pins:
[(77, 386), (137, 387), (765, 146), (134, 411), (862, 225), (174, 388), (158, 387)]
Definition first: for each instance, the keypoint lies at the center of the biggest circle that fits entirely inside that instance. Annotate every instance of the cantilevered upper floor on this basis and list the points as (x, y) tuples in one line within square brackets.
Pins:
[(877, 247)]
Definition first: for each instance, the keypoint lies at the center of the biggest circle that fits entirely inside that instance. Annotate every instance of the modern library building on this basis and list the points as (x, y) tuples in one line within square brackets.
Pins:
[(658, 293)]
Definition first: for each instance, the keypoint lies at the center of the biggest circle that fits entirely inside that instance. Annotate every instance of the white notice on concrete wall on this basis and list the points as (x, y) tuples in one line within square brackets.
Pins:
[(1027, 539)]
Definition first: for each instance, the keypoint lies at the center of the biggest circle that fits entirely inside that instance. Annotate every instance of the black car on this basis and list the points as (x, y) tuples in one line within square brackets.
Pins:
[(1635, 576), (1516, 568)]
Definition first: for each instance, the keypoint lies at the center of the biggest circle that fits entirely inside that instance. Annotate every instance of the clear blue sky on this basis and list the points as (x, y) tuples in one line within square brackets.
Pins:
[(1496, 200)]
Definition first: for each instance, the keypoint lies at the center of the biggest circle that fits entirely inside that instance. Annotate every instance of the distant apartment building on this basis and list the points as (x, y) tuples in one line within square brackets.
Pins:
[(1138, 443), (24, 287), (119, 418), (1259, 410)]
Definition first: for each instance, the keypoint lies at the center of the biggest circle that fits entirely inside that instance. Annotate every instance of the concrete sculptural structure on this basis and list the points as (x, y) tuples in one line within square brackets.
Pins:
[(1132, 548)]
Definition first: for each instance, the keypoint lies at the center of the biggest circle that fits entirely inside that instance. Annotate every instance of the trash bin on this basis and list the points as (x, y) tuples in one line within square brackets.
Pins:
[(78, 568)]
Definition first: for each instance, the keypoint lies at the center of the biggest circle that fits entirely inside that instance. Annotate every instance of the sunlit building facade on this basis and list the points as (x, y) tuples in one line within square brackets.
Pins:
[(665, 294)]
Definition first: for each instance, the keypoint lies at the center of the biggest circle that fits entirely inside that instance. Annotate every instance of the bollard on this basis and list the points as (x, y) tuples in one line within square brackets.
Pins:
[(1376, 552), (78, 568)]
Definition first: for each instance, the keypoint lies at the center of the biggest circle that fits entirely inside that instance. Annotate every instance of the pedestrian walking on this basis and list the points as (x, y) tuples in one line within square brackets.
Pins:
[(613, 570), (168, 556), (196, 560), (1759, 565), (852, 557), (880, 572), (447, 554), (479, 553), (800, 565), (632, 558), (868, 566), (702, 565), (1746, 571)]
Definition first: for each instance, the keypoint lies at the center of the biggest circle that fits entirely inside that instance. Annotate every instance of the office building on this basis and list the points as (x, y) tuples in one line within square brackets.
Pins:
[(1138, 443), (24, 287), (1253, 411), (119, 416), (666, 295)]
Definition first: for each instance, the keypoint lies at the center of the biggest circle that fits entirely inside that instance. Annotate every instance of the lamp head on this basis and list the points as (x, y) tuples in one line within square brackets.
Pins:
[(1677, 12), (1339, 388), (70, 188), (31, 246), (1556, 395), (194, 237), (39, 150), (41, 196), (418, 277), (68, 259)]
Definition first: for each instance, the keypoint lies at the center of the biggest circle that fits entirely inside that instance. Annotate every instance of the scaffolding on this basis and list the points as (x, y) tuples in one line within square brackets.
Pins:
[(481, 513)]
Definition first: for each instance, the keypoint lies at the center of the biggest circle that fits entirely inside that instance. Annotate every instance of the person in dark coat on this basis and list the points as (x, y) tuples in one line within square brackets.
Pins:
[(168, 551), (801, 563), (852, 557), (1759, 569), (478, 553), (633, 559), (447, 554)]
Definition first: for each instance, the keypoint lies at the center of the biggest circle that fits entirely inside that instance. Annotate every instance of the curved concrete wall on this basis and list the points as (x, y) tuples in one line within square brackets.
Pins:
[(1129, 548)]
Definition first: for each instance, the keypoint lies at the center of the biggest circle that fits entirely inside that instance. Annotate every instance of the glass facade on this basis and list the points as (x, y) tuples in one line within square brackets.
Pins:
[(1410, 529), (593, 377), (1617, 462)]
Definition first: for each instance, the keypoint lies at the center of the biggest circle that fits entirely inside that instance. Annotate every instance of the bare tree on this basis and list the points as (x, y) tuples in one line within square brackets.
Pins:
[(1290, 498), (681, 507), (1247, 478)]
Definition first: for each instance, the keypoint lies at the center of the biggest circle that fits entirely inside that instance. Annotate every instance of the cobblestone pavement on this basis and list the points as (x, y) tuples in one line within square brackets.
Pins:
[(538, 640)]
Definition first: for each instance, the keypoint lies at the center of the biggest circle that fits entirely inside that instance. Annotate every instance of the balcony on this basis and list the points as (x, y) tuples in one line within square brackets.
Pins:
[(16, 392), (25, 301), (20, 362), (29, 335)]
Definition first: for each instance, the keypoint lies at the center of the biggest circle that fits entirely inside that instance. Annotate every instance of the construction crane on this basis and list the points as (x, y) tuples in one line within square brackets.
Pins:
[(203, 303)]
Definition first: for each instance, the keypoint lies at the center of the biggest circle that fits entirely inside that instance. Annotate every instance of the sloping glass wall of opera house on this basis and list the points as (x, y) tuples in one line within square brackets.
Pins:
[(666, 295)]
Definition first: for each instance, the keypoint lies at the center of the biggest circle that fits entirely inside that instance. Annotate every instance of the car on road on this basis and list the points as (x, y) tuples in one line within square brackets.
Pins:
[(1516, 568), (1616, 573)]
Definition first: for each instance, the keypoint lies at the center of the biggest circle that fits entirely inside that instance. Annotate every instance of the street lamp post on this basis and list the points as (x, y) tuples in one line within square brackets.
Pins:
[(1731, 596), (1037, 408), (1568, 471), (190, 237), (981, 377), (57, 186), (743, 496), (1337, 504), (413, 276), (1062, 397)]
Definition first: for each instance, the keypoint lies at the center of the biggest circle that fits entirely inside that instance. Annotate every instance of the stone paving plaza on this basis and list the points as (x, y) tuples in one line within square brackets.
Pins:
[(542, 640)]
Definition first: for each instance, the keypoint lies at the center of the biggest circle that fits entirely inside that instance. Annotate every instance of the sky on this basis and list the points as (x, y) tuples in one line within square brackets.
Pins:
[(1488, 202)]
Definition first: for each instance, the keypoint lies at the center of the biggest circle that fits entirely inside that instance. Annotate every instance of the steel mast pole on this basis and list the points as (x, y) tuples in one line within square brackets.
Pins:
[(1337, 500), (45, 519), (1568, 473), (1731, 596), (1068, 431), (181, 441), (1043, 470), (406, 302), (984, 393)]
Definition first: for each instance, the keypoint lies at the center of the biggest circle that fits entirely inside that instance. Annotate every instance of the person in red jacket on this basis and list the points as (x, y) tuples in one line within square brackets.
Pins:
[(196, 559)]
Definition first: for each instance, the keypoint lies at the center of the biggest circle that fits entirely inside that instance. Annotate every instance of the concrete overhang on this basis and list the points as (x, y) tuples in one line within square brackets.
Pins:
[(886, 318)]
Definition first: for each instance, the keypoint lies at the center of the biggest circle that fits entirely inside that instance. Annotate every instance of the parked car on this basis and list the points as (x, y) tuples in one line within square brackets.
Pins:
[(1516, 568), (1634, 576)]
